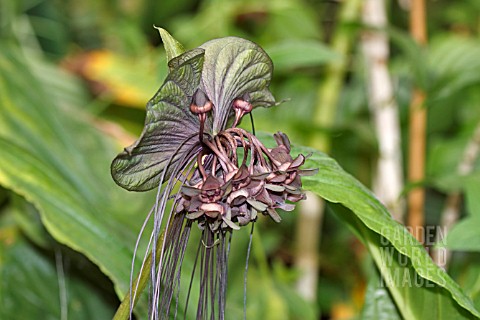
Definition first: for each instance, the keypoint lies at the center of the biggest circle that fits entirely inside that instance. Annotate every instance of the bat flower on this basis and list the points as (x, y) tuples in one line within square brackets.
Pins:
[(212, 173)]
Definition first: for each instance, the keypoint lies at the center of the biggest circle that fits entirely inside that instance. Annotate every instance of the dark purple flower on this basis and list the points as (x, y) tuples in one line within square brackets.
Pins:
[(224, 174)]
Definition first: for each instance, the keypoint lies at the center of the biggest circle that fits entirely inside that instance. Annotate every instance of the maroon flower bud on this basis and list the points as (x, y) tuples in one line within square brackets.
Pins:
[(241, 106), (200, 103)]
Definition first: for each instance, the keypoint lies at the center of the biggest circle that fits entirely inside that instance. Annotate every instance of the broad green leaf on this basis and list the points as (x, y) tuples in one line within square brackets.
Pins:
[(443, 163), (413, 53), (413, 280), (234, 67), (30, 285), (59, 162), (471, 282), (454, 64), (472, 190), (224, 69), (28, 220), (170, 132), (293, 54), (464, 236), (378, 303)]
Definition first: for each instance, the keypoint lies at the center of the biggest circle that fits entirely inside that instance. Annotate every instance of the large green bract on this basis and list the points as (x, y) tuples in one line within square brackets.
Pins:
[(224, 69), (169, 128)]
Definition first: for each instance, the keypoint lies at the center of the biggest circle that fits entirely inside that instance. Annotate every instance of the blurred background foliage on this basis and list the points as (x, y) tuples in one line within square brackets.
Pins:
[(74, 80)]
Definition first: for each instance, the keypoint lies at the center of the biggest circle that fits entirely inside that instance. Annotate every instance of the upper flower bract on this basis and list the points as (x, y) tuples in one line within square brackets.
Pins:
[(206, 79)]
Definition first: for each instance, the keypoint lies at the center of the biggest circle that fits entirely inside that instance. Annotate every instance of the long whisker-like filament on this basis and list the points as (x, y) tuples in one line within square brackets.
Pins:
[(246, 273), (252, 122), (134, 294)]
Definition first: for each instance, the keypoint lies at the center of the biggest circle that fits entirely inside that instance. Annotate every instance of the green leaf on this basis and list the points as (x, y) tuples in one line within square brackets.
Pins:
[(224, 69), (378, 302), (234, 67), (413, 280), (30, 286), (443, 163), (170, 132), (472, 190), (28, 220), (172, 46), (464, 235), (54, 158), (455, 66), (414, 54)]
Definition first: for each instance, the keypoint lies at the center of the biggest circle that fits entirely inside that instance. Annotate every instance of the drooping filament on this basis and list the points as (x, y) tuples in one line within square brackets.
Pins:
[(232, 179)]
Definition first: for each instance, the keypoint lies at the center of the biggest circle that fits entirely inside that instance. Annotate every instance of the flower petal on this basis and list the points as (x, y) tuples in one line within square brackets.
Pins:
[(260, 206), (230, 223), (274, 215)]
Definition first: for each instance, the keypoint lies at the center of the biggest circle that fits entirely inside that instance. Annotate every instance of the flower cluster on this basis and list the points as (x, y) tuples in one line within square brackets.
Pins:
[(223, 176), (237, 177)]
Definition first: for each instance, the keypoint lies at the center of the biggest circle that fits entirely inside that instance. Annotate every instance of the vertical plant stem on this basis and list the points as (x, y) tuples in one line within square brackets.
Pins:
[(123, 311), (388, 180), (310, 218), (418, 124)]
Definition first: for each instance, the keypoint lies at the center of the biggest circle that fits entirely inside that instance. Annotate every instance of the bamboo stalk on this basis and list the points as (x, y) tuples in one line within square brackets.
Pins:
[(417, 132), (306, 245), (388, 180), (329, 90), (308, 233)]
